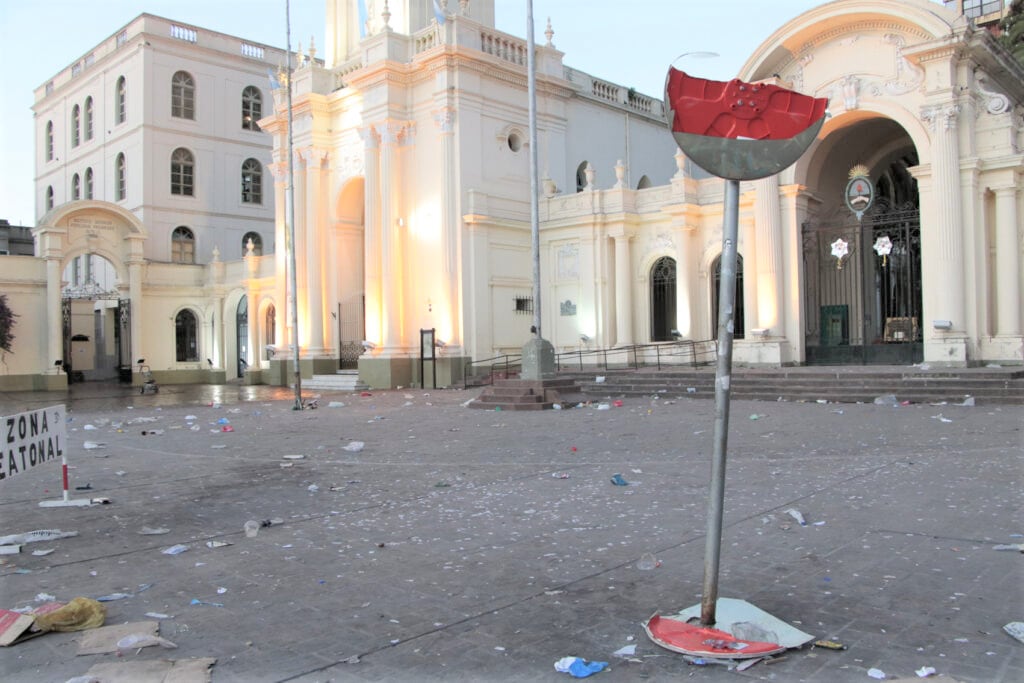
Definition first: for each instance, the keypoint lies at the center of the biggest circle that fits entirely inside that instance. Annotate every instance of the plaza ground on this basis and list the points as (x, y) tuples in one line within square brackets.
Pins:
[(475, 545)]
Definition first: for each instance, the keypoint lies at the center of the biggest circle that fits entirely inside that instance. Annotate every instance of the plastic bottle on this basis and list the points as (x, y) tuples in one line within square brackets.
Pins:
[(647, 562)]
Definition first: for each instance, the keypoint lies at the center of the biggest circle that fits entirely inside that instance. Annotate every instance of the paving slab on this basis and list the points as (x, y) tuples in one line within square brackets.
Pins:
[(475, 545)]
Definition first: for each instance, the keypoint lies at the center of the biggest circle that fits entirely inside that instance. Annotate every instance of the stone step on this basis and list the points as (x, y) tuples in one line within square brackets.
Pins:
[(344, 380)]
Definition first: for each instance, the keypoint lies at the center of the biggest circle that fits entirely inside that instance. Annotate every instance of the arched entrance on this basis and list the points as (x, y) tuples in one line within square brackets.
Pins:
[(663, 299), (96, 321), (862, 277)]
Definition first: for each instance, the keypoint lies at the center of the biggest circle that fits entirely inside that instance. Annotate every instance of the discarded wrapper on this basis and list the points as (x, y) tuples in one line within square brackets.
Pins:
[(829, 645)]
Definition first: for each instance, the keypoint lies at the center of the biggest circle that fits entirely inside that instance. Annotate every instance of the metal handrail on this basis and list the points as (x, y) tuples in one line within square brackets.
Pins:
[(504, 365)]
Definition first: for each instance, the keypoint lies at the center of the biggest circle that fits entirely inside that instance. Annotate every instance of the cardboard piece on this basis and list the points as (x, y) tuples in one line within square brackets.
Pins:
[(731, 611), (155, 671), (14, 627), (104, 640)]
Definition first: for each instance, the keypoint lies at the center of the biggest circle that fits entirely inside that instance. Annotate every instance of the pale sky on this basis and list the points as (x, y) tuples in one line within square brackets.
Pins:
[(630, 43)]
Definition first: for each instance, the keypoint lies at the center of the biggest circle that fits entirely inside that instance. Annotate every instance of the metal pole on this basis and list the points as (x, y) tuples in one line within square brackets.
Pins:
[(531, 81), (716, 494), (293, 305)]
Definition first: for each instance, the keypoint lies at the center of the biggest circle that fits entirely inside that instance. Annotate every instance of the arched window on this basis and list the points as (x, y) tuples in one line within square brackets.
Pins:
[(49, 197), (737, 317), (186, 338), (49, 140), (76, 123), (121, 101), (88, 183), (581, 177), (644, 183), (663, 299), (252, 182), (121, 178), (182, 169), (183, 245), (88, 119), (252, 108), (183, 96), (76, 187), (257, 243)]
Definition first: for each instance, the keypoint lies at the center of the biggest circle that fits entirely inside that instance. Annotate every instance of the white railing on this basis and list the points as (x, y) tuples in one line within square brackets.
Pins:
[(503, 47), (254, 51), (189, 35)]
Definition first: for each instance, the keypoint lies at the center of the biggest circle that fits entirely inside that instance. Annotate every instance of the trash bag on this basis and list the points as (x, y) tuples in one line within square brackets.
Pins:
[(78, 615)]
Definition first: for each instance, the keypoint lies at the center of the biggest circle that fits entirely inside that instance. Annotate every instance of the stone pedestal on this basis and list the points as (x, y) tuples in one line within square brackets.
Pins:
[(538, 360)]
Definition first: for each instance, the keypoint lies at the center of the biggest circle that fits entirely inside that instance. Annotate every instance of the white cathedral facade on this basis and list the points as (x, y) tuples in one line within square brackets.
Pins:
[(412, 205)]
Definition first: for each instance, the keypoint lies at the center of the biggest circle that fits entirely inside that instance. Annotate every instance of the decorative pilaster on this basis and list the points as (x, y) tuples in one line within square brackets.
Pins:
[(767, 270), (445, 120), (371, 235), (623, 291), (1007, 275), (316, 249), (684, 279), (944, 298), (281, 247), (54, 324), (390, 245)]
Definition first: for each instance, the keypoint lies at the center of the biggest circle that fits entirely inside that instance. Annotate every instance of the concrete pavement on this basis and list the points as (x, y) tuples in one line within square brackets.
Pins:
[(451, 547)]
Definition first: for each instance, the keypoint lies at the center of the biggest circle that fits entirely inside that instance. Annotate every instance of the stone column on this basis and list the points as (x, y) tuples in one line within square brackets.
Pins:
[(54, 321), (623, 291), (280, 172), (445, 120), (684, 280), (390, 246), (135, 300), (1007, 275), (252, 310), (766, 272), (316, 248), (942, 247), (750, 255), (371, 236), (302, 232)]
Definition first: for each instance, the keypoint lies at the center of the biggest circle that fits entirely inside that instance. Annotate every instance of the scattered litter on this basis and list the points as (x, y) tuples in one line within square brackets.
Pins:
[(940, 418), (795, 514), (354, 659), (877, 673), (1005, 546), (91, 445), (197, 669), (707, 661), (120, 473), (158, 615), (286, 464), (755, 416), (647, 562), (10, 549), (743, 666), (691, 390), (150, 531), (829, 645), (99, 501), (227, 428), (223, 421), (619, 481), (887, 400), (189, 418), (113, 596), (603, 406), (925, 671), (312, 488), (78, 615), (442, 485), (90, 427), (36, 536), (335, 404), (219, 445), (578, 667), (293, 457), (221, 590), (560, 475), (43, 553), (175, 549), (626, 651), (152, 432), (14, 627), (196, 601), (353, 446), (599, 379), (617, 403), (1016, 630), (141, 640), (217, 544)]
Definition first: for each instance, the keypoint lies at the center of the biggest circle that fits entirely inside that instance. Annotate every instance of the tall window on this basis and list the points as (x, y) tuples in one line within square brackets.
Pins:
[(182, 172), (185, 337), (252, 182), (76, 187), (49, 197), (257, 244), (183, 96), (737, 314), (252, 108), (120, 101), (49, 140), (76, 124), (183, 245), (663, 299), (269, 332), (88, 183), (121, 178), (87, 129)]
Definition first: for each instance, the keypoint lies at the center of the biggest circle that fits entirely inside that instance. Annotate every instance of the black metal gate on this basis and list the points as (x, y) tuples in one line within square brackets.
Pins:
[(663, 299), (862, 288), (350, 333)]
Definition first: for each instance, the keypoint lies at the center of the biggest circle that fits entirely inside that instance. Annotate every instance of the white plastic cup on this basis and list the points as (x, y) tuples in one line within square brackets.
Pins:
[(252, 527)]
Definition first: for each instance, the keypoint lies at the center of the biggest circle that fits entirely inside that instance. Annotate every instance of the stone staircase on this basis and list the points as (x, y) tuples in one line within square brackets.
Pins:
[(342, 380), (834, 384)]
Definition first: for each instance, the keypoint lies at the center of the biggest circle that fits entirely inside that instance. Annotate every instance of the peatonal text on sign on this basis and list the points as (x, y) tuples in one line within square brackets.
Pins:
[(30, 439)]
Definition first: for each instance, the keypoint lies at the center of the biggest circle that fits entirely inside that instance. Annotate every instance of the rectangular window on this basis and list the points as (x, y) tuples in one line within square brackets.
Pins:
[(523, 304)]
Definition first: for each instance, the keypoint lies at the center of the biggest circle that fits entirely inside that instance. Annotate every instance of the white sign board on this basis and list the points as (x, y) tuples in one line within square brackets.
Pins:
[(30, 439)]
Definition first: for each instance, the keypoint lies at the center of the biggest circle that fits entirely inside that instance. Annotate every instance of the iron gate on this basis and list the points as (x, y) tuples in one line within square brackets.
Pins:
[(862, 288)]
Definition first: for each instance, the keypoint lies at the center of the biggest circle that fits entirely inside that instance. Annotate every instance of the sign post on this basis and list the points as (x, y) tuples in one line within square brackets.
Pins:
[(31, 439)]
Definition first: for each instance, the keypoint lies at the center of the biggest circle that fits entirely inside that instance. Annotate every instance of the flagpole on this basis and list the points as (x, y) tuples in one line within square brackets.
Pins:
[(531, 81), (293, 305)]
